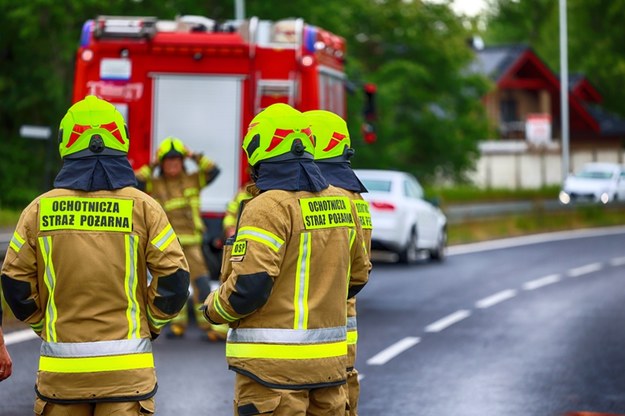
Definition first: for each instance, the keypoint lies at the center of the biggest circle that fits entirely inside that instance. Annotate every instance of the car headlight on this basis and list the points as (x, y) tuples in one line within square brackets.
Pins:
[(564, 197), (604, 197)]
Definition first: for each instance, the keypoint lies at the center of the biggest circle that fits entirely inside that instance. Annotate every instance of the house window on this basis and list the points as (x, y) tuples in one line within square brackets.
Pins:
[(510, 127), (508, 110)]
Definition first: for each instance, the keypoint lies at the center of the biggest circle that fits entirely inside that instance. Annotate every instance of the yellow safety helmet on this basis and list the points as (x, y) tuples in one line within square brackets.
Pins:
[(171, 147), (332, 141), (278, 133), (90, 127)]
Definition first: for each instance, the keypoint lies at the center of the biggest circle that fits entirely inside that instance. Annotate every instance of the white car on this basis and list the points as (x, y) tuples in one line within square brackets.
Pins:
[(403, 222), (595, 182)]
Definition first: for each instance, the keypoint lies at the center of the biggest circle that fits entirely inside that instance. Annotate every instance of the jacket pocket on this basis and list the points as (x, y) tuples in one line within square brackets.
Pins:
[(147, 407), (40, 405), (260, 405)]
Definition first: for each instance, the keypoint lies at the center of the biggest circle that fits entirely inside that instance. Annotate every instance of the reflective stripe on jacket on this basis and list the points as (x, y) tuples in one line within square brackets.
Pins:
[(295, 258), (78, 274), (364, 216)]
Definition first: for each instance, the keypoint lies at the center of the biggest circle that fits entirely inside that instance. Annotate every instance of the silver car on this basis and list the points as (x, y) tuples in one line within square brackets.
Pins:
[(403, 222), (595, 182)]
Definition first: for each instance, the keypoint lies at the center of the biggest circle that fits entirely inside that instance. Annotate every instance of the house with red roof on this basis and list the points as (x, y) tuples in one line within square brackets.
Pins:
[(524, 113)]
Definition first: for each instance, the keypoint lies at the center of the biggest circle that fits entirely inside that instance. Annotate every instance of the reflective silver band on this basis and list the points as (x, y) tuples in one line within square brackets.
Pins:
[(161, 243), (95, 349), (301, 290), (133, 304), (352, 324), (287, 336), (261, 237), (15, 240)]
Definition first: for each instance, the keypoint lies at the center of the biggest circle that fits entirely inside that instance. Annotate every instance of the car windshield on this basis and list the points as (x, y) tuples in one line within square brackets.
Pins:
[(594, 174), (377, 185)]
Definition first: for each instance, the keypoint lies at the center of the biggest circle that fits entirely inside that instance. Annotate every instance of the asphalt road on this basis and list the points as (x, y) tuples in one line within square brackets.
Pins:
[(518, 327)]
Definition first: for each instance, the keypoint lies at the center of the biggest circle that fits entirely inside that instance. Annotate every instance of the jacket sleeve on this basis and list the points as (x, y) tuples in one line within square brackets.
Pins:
[(169, 289), (144, 177), (360, 263), (256, 259), (19, 272), (208, 171)]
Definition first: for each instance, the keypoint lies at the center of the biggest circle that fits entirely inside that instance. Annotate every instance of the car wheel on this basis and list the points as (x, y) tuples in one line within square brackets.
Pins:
[(410, 253), (438, 253)]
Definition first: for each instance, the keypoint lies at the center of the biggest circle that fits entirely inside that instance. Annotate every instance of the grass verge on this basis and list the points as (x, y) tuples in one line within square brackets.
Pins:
[(537, 221), (8, 218)]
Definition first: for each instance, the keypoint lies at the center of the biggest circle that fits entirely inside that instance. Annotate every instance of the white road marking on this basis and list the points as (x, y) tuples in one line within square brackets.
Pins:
[(495, 299), (360, 376), (543, 281), (19, 336), (448, 321), (582, 270), (617, 261), (531, 239), (394, 350)]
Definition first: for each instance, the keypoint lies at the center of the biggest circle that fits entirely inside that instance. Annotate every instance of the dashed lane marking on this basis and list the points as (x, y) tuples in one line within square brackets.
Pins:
[(19, 336), (448, 321), (582, 270), (394, 350), (617, 261), (495, 299), (543, 281)]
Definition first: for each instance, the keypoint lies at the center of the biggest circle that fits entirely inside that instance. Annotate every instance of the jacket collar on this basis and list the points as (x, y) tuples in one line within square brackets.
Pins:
[(341, 175), (290, 175), (95, 174)]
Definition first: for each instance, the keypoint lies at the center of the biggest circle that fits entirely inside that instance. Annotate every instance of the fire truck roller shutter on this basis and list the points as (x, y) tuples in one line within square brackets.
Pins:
[(205, 112)]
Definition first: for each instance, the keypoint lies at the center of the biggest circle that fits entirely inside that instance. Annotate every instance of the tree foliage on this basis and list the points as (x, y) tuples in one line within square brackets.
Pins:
[(430, 117)]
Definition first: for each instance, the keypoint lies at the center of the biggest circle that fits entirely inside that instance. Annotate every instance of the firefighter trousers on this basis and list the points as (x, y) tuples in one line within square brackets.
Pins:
[(353, 391), (143, 407), (252, 398)]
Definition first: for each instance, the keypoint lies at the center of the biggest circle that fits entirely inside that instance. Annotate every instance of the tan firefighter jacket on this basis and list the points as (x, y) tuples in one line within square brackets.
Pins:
[(364, 216), (296, 259), (77, 272), (180, 197)]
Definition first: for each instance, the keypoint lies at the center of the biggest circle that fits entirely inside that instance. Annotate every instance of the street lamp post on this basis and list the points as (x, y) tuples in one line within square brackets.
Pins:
[(564, 90)]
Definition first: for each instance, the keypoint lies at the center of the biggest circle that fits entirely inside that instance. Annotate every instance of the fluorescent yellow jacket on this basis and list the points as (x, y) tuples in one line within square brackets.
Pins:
[(77, 271)]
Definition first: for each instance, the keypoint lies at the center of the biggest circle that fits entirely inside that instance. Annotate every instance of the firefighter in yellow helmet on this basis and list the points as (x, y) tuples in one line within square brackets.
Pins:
[(77, 272), (298, 255), (332, 154), (179, 194)]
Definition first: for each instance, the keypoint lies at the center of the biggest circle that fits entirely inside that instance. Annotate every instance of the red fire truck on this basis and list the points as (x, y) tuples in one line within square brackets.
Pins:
[(203, 81)]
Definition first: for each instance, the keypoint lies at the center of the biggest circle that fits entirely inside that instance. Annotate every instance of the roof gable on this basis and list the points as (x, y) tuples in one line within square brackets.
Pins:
[(518, 67)]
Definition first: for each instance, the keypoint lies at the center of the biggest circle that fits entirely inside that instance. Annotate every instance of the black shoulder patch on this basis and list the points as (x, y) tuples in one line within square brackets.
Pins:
[(250, 292)]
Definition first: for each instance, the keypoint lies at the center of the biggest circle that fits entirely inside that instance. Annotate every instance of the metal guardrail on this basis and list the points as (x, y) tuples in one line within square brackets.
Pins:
[(4, 243), (456, 214)]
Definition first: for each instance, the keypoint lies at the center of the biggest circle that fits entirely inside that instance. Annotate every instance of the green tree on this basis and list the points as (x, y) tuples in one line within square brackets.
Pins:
[(430, 118)]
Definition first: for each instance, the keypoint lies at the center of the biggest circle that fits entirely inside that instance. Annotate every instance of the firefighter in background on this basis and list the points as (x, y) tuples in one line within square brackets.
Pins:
[(232, 210), (286, 289), (6, 366), (179, 194), (332, 154), (77, 272)]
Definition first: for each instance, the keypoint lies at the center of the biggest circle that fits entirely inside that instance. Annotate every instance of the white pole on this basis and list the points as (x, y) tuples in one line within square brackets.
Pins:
[(239, 9), (564, 90)]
